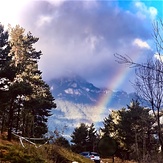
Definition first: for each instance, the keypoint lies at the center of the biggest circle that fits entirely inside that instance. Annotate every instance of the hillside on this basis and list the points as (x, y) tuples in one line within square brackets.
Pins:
[(13, 152)]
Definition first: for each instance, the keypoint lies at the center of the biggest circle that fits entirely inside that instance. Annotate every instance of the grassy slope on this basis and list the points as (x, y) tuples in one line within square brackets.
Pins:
[(13, 152)]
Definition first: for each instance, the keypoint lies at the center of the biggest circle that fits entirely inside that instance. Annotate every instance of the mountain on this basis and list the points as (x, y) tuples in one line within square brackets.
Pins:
[(77, 90), (79, 101)]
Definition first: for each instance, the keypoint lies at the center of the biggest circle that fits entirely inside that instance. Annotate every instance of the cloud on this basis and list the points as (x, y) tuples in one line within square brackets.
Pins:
[(72, 115), (144, 11), (141, 44), (42, 20), (57, 2), (159, 57), (82, 36)]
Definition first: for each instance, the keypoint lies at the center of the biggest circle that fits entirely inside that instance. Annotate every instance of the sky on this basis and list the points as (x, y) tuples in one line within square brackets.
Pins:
[(81, 36)]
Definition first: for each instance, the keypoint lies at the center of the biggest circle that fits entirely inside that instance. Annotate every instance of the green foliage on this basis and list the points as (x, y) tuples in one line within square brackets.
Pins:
[(26, 100), (107, 147), (132, 128), (17, 154), (63, 142), (84, 138), (79, 138)]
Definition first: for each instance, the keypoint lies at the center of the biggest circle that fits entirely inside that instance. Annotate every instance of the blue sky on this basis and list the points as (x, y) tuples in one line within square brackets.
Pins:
[(82, 37)]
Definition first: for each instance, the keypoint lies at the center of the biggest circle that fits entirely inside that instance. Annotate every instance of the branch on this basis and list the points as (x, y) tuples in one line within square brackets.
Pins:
[(126, 60)]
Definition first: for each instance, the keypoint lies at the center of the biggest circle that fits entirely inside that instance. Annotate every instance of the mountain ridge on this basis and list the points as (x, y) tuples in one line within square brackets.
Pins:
[(78, 101), (78, 90)]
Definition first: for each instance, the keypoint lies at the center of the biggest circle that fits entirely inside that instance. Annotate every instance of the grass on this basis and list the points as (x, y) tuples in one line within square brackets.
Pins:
[(116, 160), (13, 152)]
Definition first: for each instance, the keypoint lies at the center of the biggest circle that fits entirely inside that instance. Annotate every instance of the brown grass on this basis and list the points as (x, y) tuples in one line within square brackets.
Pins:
[(12, 152), (116, 160)]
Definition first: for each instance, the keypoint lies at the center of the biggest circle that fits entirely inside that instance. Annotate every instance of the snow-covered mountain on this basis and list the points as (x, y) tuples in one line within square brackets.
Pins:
[(78, 101), (77, 90)]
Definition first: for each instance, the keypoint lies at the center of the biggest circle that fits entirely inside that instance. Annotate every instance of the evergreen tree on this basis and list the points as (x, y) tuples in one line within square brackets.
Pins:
[(37, 100), (61, 141), (149, 78), (84, 138), (132, 129), (7, 74), (92, 138), (29, 100), (79, 138)]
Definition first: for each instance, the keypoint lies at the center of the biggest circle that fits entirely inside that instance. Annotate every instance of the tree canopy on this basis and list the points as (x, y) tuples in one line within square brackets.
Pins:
[(84, 138), (26, 100), (132, 129)]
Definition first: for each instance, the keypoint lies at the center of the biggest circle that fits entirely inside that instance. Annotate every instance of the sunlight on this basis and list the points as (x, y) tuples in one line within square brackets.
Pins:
[(10, 11)]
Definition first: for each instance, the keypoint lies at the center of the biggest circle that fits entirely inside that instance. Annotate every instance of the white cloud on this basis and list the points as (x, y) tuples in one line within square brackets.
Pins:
[(153, 12), (43, 20), (142, 44), (144, 11), (159, 57), (57, 3), (81, 37)]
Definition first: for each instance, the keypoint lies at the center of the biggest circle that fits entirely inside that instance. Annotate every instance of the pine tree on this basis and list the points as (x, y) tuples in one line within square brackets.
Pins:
[(80, 137), (132, 129), (30, 98), (7, 74), (92, 138), (84, 138)]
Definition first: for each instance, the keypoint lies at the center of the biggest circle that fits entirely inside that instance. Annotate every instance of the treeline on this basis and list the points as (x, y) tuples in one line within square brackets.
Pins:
[(133, 129), (25, 99)]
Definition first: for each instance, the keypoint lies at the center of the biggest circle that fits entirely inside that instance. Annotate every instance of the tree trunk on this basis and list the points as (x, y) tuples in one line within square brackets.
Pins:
[(144, 146), (3, 123), (18, 120), (159, 132), (10, 120)]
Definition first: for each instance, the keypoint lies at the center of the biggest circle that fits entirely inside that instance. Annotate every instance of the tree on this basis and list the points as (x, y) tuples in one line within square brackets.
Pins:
[(29, 100), (61, 141), (132, 130), (92, 138), (149, 85), (80, 137), (7, 74), (84, 138), (149, 78)]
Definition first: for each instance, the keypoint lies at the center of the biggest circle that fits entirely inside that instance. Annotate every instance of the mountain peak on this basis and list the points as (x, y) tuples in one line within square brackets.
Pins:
[(77, 90), (74, 89)]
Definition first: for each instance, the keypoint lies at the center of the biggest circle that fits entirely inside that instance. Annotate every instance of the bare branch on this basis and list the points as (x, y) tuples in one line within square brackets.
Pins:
[(125, 60)]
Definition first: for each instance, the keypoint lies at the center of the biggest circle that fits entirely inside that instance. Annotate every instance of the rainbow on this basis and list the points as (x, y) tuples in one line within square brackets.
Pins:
[(113, 84)]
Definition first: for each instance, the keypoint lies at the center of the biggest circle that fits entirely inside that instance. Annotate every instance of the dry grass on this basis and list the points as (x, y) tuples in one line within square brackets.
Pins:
[(116, 160), (13, 152)]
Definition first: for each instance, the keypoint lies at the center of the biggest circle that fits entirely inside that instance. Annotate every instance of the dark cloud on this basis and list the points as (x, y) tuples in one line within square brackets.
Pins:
[(82, 36)]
